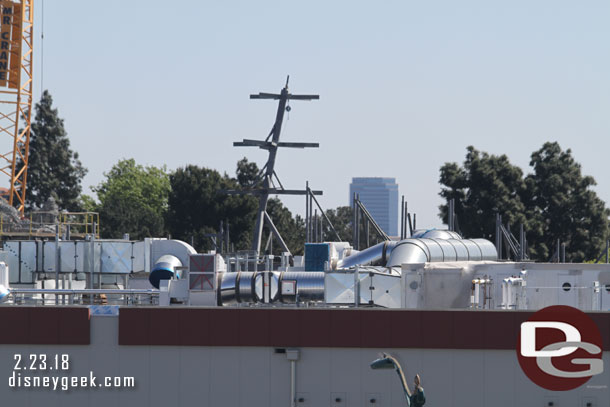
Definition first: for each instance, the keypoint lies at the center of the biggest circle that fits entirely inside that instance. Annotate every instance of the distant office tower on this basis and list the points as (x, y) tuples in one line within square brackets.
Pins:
[(380, 196)]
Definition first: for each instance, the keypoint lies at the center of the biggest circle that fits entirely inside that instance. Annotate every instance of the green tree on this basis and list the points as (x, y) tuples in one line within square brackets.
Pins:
[(247, 173), (554, 202), (53, 168), (563, 206), (133, 199), (341, 218), (88, 203), (197, 206), (485, 185)]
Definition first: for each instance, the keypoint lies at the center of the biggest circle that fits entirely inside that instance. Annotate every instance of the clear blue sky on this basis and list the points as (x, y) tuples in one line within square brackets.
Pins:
[(404, 86)]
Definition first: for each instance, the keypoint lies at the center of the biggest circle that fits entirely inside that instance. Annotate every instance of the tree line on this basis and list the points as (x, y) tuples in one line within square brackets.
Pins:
[(554, 201)]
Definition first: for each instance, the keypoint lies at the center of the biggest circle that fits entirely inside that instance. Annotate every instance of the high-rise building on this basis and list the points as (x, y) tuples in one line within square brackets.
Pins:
[(380, 196)]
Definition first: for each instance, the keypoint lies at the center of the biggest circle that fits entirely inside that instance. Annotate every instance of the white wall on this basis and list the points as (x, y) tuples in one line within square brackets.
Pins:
[(256, 376)]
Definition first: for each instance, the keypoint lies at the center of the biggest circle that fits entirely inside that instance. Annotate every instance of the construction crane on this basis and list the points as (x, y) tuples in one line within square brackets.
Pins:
[(16, 86)]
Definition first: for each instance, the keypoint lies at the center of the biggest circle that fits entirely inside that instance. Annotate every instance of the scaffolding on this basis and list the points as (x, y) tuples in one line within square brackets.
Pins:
[(72, 225), (16, 69)]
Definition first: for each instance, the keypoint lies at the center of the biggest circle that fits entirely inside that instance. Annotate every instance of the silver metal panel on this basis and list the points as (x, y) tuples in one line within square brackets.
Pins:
[(92, 256), (12, 260), (447, 288), (80, 256), (97, 256), (116, 257), (339, 288), (28, 259), (366, 282), (21, 261), (139, 258), (387, 290), (67, 253), (49, 250)]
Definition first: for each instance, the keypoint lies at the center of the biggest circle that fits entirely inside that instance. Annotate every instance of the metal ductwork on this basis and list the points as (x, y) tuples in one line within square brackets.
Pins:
[(164, 269), (228, 288), (249, 287), (377, 253), (426, 246), (309, 286), (4, 292), (435, 234), (4, 282), (290, 287), (441, 250)]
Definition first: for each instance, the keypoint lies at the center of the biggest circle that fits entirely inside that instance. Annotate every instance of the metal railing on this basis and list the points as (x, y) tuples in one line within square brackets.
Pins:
[(32, 296), (42, 224)]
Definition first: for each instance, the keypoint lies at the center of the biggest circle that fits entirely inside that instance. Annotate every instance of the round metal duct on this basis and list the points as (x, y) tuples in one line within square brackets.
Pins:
[(378, 252), (309, 286), (441, 250), (4, 292), (487, 248), (164, 269), (246, 292), (449, 252), (435, 234), (228, 288)]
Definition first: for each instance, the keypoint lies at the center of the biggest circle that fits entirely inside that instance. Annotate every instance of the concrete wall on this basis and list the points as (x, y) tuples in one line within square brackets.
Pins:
[(258, 376)]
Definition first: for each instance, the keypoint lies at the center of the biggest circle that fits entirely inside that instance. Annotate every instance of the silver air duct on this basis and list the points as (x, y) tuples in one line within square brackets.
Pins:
[(228, 288), (287, 287), (435, 234), (441, 250), (309, 286), (246, 286), (378, 252), (164, 269), (381, 252), (4, 282), (4, 292)]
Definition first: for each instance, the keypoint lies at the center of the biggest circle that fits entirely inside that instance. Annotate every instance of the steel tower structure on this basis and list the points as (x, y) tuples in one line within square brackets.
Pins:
[(16, 86), (268, 182)]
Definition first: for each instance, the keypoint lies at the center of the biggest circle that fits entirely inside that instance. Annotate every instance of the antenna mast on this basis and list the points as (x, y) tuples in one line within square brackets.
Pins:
[(265, 185)]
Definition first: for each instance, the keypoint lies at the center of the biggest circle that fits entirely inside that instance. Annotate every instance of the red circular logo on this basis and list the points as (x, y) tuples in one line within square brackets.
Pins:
[(559, 348)]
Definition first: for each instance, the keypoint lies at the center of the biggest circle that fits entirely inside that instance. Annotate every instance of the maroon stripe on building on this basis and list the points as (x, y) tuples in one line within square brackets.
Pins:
[(45, 326), (345, 328)]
